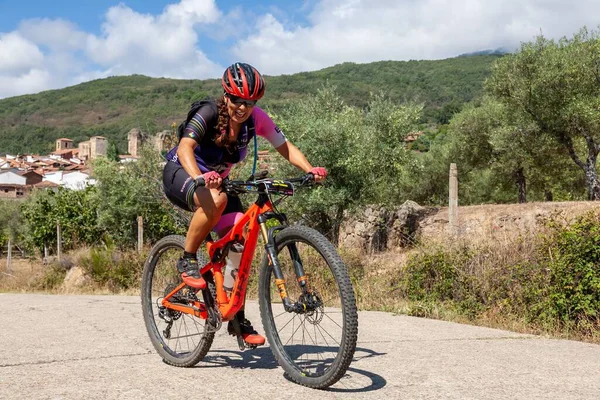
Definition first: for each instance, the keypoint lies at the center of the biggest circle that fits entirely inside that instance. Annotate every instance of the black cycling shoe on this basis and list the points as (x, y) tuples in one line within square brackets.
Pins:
[(190, 273), (249, 335)]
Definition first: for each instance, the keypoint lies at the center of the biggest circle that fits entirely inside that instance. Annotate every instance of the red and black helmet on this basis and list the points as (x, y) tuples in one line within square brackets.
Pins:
[(244, 81)]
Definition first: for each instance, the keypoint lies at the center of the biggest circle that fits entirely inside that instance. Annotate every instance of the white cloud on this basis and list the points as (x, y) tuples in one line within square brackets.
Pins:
[(32, 81), (191, 11), (18, 55), (57, 34), (164, 45), (44, 53), (21, 66), (365, 31)]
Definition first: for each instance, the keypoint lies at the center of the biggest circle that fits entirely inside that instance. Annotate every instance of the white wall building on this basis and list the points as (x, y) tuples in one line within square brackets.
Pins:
[(11, 178), (74, 180)]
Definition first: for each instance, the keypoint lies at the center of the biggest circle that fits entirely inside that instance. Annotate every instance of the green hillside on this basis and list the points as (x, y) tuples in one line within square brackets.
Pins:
[(111, 107)]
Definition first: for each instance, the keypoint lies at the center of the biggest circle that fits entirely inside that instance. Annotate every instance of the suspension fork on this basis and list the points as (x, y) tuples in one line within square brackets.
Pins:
[(267, 234), (298, 267)]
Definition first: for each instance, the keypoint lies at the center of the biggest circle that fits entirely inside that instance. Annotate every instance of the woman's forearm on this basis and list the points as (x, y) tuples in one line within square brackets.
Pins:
[(185, 155), (294, 156)]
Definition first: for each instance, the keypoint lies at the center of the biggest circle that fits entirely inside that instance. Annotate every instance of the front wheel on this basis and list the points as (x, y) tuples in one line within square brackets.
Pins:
[(316, 345)]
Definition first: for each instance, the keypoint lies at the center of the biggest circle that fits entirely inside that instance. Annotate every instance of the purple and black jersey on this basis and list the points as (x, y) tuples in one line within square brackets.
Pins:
[(209, 156)]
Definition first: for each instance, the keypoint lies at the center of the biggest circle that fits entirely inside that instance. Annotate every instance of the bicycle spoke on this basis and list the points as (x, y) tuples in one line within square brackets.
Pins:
[(294, 333), (180, 338), (325, 314), (316, 356), (282, 313), (293, 316), (319, 355), (328, 334)]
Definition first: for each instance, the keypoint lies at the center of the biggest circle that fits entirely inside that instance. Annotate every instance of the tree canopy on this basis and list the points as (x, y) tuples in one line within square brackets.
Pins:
[(555, 85)]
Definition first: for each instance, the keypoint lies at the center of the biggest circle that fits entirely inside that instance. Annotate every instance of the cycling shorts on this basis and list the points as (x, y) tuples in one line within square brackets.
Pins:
[(179, 189)]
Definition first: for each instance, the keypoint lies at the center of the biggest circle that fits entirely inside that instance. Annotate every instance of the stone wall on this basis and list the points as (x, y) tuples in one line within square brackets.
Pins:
[(377, 229), (98, 147), (134, 142)]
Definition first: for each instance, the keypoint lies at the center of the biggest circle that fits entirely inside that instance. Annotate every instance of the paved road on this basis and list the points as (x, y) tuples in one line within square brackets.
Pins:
[(96, 347)]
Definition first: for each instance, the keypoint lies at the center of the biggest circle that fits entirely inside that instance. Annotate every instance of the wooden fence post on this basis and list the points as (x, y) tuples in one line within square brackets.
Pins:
[(9, 258), (453, 200), (58, 241), (140, 242)]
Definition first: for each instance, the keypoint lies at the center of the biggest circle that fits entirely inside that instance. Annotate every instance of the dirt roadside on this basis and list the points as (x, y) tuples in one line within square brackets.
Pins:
[(491, 221)]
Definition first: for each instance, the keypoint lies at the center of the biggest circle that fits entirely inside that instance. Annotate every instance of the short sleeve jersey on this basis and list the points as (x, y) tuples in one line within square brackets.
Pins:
[(210, 157)]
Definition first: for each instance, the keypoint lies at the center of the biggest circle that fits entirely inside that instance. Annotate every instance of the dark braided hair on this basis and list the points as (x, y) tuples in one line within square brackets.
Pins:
[(222, 123)]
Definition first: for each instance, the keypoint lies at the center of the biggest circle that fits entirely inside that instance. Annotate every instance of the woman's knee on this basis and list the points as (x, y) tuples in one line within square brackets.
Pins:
[(220, 199), (214, 208)]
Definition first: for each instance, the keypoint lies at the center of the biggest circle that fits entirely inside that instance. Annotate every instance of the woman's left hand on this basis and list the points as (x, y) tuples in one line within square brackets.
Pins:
[(319, 173)]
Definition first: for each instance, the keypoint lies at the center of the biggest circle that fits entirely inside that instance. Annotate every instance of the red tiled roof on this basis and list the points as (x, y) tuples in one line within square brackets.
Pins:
[(28, 172), (11, 186), (45, 184), (65, 151)]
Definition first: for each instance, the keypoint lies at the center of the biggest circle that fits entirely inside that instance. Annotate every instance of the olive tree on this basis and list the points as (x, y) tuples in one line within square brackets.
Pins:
[(556, 85), (363, 151)]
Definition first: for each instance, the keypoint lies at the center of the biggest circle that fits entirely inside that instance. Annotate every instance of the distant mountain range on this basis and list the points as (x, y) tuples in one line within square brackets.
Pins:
[(496, 52), (111, 107)]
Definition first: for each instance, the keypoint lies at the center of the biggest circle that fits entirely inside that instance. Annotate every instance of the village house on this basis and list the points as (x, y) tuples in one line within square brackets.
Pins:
[(67, 166), (74, 180), (16, 184)]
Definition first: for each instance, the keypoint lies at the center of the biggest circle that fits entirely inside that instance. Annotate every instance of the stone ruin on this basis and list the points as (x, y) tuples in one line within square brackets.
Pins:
[(377, 229)]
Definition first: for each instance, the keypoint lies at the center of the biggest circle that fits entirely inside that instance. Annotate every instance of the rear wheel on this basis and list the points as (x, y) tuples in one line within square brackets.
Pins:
[(314, 346), (181, 339)]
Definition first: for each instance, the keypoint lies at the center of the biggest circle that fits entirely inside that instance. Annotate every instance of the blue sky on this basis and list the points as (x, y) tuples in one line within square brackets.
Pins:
[(89, 15), (52, 44)]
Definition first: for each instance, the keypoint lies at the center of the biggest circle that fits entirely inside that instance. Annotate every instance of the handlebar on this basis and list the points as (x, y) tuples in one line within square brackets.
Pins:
[(283, 186)]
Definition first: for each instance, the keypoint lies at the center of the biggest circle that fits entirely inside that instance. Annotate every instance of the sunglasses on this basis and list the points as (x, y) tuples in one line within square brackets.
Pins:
[(238, 101)]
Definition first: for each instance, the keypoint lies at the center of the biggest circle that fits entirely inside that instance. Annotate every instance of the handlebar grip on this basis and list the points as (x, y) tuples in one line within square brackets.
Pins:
[(199, 181)]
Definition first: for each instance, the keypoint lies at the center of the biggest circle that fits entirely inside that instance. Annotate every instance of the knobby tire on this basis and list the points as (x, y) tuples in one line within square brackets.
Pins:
[(191, 357), (290, 356)]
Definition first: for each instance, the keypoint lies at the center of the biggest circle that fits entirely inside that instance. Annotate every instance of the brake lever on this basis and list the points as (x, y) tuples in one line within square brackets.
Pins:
[(309, 179)]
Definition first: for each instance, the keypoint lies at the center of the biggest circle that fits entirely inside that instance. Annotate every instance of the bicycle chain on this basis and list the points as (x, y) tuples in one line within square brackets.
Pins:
[(207, 326)]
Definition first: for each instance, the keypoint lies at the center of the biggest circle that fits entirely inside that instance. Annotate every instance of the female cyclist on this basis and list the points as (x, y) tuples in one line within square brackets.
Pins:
[(213, 141)]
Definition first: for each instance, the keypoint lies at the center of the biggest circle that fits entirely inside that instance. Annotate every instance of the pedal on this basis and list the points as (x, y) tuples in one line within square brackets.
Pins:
[(251, 346)]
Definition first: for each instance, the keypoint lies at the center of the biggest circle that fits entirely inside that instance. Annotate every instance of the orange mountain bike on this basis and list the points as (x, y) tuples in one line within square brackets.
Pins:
[(305, 296)]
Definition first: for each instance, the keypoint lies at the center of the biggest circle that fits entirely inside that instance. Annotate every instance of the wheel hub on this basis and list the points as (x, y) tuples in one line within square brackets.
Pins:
[(312, 307)]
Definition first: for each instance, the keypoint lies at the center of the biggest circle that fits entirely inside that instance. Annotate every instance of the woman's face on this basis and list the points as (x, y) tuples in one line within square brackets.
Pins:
[(239, 109)]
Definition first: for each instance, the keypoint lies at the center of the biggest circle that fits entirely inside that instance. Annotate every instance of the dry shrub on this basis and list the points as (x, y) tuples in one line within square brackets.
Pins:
[(543, 281), (113, 269), (22, 276)]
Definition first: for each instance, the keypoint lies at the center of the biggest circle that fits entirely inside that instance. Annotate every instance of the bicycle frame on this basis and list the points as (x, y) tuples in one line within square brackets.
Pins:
[(247, 229)]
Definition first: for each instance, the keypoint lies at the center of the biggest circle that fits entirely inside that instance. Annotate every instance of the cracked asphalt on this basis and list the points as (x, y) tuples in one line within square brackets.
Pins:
[(96, 347)]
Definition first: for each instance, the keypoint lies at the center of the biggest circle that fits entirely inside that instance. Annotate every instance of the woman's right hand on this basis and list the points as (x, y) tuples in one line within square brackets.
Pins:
[(211, 180), (319, 174)]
